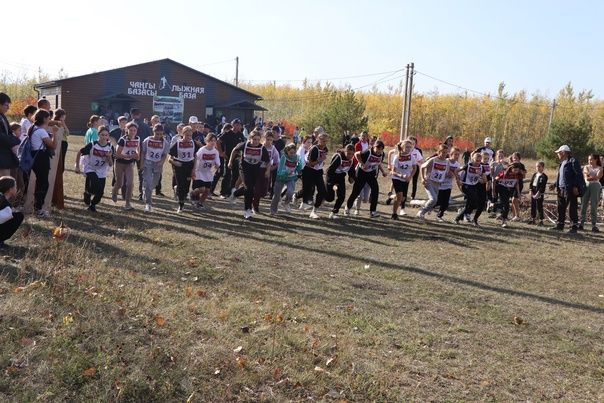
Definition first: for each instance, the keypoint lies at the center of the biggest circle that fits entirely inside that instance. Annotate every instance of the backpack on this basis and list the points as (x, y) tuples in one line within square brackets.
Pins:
[(26, 159)]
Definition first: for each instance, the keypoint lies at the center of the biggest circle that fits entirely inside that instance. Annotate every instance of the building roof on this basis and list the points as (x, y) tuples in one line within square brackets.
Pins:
[(55, 83)]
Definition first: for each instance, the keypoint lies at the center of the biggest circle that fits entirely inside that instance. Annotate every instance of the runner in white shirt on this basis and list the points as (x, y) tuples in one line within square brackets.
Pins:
[(207, 161), (433, 173), (182, 158), (100, 158), (444, 192), (402, 166), (154, 152)]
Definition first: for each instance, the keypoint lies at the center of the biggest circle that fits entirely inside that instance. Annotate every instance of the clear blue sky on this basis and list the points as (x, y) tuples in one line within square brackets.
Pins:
[(534, 45)]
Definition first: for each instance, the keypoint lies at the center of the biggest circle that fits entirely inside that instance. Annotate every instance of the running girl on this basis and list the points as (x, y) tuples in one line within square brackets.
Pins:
[(444, 192), (252, 154), (312, 177), (472, 177), (182, 158), (370, 161), (507, 186), (127, 153), (290, 166), (402, 168), (340, 165), (433, 173), (100, 158), (207, 158), (263, 184), (155, 151)]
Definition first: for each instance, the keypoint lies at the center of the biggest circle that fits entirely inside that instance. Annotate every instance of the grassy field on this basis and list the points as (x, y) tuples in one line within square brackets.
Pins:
[(206, 307)]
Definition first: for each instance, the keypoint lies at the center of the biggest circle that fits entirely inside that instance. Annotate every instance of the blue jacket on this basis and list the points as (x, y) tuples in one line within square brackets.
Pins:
[(573, 175)]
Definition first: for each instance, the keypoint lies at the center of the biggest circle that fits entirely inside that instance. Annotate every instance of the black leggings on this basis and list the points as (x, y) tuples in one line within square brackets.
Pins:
[(8, 228), (362, 179), (473, 202), (505, 194), (414, 188), (338, 180), (183, 180), (443, 201), (250, 174), (94, 188), (311, 179), (537, 207), (41, 168)]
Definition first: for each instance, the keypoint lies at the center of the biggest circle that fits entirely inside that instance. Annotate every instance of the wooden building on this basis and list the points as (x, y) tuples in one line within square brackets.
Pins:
[(163, 87)]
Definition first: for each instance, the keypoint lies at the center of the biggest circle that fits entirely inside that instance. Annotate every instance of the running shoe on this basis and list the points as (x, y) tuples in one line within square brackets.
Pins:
[(475, 223), (333, 215), (439, 219), (420, 215), (42, 214), (374, 214), (92, 208), (148, 208), (175, 189), (402, 212), (114, 197), (394, 216), (346, 211), (179, 210), (504, 224), (247, 214), (313, 214), (515, 218), (127, 207), (288, 208), (305, 206)]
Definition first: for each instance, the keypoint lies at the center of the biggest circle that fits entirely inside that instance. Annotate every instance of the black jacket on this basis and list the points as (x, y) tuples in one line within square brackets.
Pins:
[(8, 159), (541, 183), (573, 175)]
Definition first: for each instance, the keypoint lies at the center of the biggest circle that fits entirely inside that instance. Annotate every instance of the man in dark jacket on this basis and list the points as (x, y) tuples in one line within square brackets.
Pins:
[(226, 143), (8, 160), (570, 185)]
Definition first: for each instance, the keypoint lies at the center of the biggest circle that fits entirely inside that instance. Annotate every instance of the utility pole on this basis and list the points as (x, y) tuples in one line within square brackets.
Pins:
[(237, 71), (551, 115), (405, 100), (410, 92)]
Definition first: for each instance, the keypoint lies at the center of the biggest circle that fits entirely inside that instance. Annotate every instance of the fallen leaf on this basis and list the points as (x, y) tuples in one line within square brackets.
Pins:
[(159, 320), (60, 232), (279, 318), (202, 293), (11, 371), (268, 317), (276, 374), (518, 320), (241, 361), (189, 292), (238, 349), (90, 371), (68, 319), (192, 263)]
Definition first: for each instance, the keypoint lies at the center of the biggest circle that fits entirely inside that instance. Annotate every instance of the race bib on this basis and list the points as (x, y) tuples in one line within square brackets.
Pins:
[(155, 150)]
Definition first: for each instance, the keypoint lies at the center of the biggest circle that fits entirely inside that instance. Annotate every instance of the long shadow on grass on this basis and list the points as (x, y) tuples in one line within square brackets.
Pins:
[(428, 273)]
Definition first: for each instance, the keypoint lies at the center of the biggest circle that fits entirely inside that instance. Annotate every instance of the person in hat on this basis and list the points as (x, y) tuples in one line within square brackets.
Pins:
[(569, 185), (486, 148)]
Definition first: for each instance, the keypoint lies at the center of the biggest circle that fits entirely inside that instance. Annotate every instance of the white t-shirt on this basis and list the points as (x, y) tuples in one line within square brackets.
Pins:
[(25, 124), (37, 139), (447, 183), (302, 155), (402, 165), (417, 155), (97, 160), (206, 161)]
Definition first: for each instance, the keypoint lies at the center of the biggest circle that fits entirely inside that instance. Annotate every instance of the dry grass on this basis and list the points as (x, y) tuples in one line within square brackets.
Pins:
[(155, 307)]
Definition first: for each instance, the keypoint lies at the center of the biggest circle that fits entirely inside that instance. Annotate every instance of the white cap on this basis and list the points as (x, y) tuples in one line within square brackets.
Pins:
[(488, 140), (319, 130), (193, 119), (563, 148)]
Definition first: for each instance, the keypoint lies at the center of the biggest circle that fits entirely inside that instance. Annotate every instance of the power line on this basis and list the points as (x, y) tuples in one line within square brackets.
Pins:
[(330, 78), (322, 96)]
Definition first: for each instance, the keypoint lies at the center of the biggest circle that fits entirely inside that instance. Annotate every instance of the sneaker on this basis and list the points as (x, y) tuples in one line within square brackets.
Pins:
[(313, 214), (147, 208), (255, 211), (247, 214), (92, 208), (210, 197), (504, 224), (42, 214), (374, 214), (356, 211), (160, 194), (475, 223), (179, 209), (456, 221), (223, 197), (515, 218), (573, 230), (200, 205), (581, 228), (439, 219), (467, 218), (420, 215), (305, 206), (114, 197), (333, 215), (127, 207), (140, 197), (595, 229), (288, 208), (394, 216), (232, 197), (346, 211), (175, 189), (402, 212)]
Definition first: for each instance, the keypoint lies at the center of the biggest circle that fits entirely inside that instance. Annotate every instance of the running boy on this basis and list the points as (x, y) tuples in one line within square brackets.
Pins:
[(100, 158), (537, 187), (444, 192), (207, 158), (155, 151), (402, 168)]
